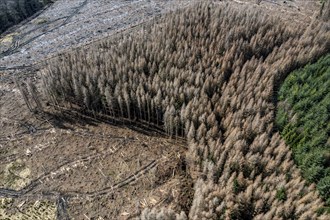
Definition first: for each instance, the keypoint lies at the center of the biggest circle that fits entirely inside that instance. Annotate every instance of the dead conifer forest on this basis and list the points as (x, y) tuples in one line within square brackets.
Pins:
[(206, 110)]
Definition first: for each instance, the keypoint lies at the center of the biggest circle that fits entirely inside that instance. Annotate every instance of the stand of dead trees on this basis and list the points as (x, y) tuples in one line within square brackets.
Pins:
[(208, 73)]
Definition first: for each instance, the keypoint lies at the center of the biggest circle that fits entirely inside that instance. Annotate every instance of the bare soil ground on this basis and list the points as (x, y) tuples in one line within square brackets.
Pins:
[(71, 23), (78, 167), (86, 167)]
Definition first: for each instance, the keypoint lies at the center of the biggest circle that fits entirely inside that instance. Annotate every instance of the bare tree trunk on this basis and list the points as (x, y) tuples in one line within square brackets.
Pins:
[(34, 93), (24, 93)]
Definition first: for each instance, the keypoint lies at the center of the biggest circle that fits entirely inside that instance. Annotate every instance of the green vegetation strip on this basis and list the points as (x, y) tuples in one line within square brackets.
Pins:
[(303, 118)]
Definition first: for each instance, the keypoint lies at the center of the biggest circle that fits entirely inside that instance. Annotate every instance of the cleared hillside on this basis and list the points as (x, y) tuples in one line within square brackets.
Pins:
[(14, 11), (208, 73)]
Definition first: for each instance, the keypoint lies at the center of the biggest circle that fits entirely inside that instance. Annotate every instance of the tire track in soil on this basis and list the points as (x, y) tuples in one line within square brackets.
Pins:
[(16, 45), (62, 198), (13, 50), (41, 131), (27, 192), (75, 163), (88, 41), (13, 157), (3, 68)]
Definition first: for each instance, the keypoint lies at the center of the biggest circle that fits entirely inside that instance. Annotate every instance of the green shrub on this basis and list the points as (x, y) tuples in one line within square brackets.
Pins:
[(281, 194)]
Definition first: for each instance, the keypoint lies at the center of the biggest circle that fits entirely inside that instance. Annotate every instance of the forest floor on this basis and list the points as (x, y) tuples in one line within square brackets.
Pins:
[(79, 167)]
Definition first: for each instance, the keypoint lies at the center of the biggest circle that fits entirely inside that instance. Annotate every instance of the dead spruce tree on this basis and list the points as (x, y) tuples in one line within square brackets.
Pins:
[(209, 73)]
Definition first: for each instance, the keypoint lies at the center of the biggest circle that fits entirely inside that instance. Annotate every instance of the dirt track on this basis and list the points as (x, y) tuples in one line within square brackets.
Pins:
[(72, 23)]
